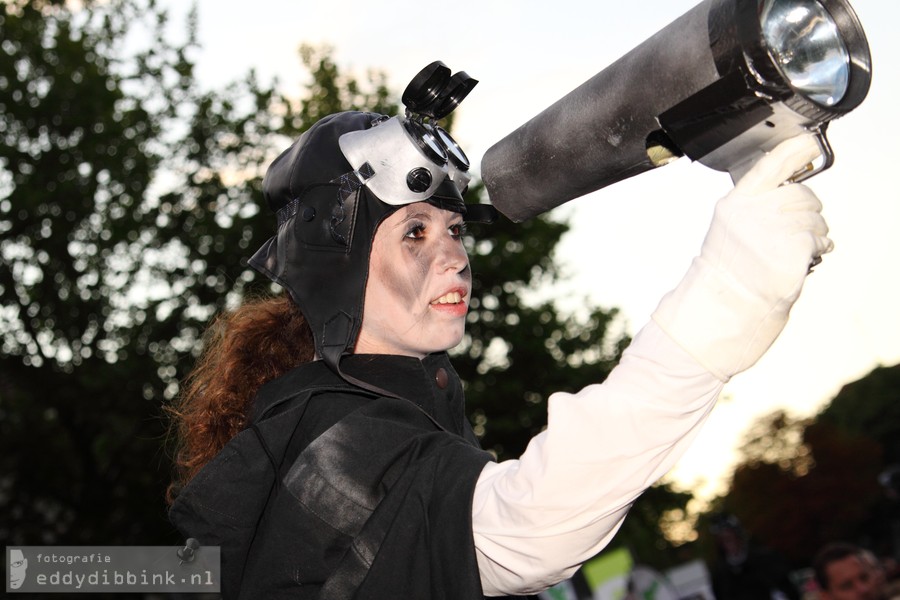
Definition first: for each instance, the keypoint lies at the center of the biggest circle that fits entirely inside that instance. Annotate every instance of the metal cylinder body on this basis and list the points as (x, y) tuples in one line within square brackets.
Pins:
[(597, 134)]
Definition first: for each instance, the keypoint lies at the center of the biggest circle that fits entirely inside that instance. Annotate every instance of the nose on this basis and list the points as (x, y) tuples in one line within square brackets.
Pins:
[(452, 256)]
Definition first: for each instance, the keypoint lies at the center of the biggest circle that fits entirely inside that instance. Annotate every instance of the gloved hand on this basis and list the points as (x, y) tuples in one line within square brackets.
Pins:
[(735, 298)]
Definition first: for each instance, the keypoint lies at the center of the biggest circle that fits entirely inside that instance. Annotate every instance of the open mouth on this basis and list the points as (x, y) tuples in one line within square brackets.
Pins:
[(449, 298)]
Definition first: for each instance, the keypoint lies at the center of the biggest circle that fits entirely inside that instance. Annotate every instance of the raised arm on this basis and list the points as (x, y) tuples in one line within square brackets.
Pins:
[(536, 519)]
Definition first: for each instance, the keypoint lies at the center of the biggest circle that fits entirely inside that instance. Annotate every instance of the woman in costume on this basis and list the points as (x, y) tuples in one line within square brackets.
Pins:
[(324, 442)]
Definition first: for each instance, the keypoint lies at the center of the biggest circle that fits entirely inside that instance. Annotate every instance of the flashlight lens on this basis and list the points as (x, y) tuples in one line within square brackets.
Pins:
[(808, 49)]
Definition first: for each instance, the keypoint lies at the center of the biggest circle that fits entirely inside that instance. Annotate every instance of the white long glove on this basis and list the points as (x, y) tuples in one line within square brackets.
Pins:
[(735, 298)]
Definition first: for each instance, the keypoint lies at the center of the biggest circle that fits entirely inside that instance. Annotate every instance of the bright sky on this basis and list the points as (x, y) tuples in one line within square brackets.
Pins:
[(632, 241)]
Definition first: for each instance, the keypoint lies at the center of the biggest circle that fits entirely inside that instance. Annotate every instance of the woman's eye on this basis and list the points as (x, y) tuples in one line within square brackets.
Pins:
[(417, 232), (458, 230)]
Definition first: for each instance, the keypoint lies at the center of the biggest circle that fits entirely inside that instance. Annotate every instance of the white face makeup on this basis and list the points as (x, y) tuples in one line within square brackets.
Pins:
[(419, 284)]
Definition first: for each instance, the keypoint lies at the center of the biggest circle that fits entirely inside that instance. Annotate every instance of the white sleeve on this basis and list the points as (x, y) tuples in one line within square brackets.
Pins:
[(536, 519)]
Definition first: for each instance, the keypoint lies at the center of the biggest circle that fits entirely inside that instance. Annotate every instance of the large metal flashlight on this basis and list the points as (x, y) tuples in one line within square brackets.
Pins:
[(723, 83)]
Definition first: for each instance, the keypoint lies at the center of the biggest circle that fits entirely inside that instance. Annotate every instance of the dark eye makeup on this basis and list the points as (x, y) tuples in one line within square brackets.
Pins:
[(415, 230)]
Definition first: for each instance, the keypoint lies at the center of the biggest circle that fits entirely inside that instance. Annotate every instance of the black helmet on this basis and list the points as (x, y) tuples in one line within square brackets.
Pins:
[(332, 188)]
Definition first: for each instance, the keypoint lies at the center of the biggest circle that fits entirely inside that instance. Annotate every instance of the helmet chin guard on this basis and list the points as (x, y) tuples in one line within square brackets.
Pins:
[(330, 191)]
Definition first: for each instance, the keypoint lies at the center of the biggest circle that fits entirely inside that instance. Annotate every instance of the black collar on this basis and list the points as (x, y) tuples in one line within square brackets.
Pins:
[(431, 383)]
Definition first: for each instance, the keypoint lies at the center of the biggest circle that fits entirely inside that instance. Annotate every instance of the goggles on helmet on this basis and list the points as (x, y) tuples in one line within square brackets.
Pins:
[(408, 161)]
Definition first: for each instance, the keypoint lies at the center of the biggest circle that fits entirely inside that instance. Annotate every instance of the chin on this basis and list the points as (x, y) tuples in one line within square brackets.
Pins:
[(451, 343), (445, 342)]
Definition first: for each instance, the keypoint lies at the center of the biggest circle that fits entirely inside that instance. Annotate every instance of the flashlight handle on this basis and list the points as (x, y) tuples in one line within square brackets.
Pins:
[(810, 169)]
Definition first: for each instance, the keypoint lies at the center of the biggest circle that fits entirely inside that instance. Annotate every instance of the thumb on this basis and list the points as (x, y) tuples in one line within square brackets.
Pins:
[(774, 168)]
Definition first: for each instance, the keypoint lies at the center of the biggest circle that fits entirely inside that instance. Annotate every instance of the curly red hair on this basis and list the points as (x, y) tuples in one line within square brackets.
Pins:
[(243, 349)]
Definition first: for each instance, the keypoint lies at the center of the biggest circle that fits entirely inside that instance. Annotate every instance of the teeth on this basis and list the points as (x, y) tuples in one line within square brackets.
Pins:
[(451, 298)]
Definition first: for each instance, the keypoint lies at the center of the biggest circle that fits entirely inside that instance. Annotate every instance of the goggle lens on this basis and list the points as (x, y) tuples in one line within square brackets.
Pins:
[(455, 153), (426, 141)]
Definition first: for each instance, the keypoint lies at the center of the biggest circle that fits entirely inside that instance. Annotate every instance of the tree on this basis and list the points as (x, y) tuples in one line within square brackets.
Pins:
[(804, 482), (112, 269), (797, 514), (331, 91), (870, 406), (129, 199)]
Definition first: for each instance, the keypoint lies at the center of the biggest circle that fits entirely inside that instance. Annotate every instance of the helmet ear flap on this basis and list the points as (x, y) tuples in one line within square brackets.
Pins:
[(343, 216), (326, 220)]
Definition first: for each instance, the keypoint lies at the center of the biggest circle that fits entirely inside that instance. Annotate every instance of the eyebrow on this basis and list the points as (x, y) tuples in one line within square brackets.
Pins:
[(422, 215)]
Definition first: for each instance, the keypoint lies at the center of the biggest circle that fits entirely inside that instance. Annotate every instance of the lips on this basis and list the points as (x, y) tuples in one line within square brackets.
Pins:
[(455, 297)]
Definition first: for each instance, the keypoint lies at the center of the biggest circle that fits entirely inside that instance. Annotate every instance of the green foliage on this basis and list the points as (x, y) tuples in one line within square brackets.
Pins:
[(127, 198), (778, 439), (330, 91)]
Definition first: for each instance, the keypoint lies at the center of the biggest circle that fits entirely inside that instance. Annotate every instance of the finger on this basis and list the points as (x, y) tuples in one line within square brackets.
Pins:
[(824, 245), (806, 221), (777, 166), (797, 197), (821, 245)]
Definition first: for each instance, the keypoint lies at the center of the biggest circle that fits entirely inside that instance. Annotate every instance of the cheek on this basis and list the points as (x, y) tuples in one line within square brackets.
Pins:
[(404, 276), (419, 256)]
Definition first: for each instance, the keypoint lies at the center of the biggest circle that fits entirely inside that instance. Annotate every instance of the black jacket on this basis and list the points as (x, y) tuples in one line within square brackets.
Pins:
[(373, 495)]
